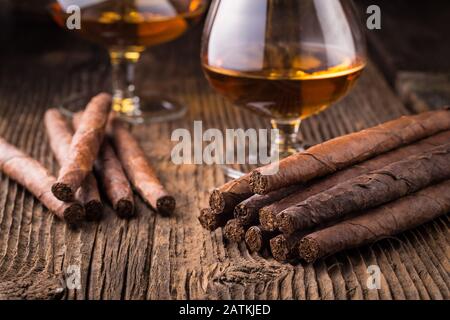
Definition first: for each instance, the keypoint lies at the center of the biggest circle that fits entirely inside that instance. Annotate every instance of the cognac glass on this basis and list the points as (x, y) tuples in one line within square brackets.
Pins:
[(283, 59), (126, 28)]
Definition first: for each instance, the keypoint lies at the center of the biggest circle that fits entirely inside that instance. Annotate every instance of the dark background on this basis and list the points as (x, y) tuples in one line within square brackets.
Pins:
[(415, 38)]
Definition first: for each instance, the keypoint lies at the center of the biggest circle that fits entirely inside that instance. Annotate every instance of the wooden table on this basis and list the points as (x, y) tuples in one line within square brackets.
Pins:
[(151, 257)]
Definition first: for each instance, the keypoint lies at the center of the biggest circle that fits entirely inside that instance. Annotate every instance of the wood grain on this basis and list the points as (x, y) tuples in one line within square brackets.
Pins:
[(154, 257)]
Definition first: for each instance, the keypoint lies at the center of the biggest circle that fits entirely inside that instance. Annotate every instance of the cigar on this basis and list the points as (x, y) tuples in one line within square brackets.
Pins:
[(267, 215), (141, 174), (36, 179), (247, 211), (60, 134), (284, 247), (224, 199), (384, 221), (89, 195), (347, 150), (212, 221), (83, 148), (370, 190), (113, 179), (234, 230), (258, 239)]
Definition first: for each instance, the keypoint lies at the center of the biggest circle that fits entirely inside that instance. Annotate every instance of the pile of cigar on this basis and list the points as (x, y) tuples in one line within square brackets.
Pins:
[(341, 194), (96, 150)]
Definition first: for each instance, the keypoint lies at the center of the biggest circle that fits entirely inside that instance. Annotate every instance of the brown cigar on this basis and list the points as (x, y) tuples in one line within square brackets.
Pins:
[(258, 239), (83, 149), (385, 221), (370, 190), (267, 215), (112, 177), (344, 151), (211, 221), (139, 171), (60, 136), (224, 199), (36, 179)]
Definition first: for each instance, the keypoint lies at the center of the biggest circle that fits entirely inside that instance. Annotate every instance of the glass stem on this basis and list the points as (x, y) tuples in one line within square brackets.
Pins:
[(287, 140), (123, 82)]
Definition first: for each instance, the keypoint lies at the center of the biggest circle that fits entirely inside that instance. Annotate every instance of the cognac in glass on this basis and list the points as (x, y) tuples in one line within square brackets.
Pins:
[(126, 28), (284, 59)]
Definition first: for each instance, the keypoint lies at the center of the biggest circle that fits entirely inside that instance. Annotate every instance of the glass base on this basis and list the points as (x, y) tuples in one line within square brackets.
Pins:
[(146, 109)]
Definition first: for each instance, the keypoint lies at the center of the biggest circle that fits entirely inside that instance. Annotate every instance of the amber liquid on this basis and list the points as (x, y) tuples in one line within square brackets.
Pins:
[(298, 87), (131, 26)]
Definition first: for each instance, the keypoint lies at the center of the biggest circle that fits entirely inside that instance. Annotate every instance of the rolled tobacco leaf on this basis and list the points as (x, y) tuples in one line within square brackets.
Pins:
[(83, 149), (114, 181), (112, 177), (384, 221), (284, 247), (258, 239), (247, 211), (60, 135), (38, 180), (267, 215), (344, 151), (234, 230), (370, 190), (212, 221), (224, 199), (140, 172)]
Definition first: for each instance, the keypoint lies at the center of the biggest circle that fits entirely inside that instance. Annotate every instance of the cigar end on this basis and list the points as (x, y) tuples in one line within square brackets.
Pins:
[(244, 214), (124, 208), (254, 239), (166, 205), (234, 231), (217, 201), (285, 223), (62, 192), (309, 249), (94, 210), (258, 182), (280, 248), (208, 219), (74, 214), (267, 219)]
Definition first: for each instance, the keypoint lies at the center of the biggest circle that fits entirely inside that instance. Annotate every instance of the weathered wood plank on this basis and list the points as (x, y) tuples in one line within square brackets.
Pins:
[(151, 257)]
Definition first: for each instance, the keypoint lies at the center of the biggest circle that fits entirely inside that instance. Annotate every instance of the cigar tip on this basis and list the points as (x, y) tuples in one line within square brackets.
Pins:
[(217, 201), (62, 192), (94, 210), (74, 214), (308, 249), (284, 223), (267, 219), (279, 248), (166, 205), (239, 211), (234, 231), (208, 219), (124, 208), (253, 239), (258, 182)]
